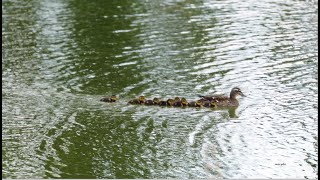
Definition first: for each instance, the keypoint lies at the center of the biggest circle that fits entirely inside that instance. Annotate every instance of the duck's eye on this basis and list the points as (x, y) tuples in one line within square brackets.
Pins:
[(237, 90)]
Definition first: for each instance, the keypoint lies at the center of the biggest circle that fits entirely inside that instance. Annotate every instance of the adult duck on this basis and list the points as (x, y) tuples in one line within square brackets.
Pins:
[(225, 101)]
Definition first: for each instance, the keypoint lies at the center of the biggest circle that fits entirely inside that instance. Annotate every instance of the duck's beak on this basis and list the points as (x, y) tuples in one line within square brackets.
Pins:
[(242, 94)]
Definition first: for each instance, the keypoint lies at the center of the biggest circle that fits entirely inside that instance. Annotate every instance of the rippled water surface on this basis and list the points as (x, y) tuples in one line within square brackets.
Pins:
[(60, 57)]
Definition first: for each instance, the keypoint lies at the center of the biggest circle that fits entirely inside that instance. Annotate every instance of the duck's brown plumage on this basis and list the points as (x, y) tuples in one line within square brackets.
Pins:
[(176, 102), (148, 102), (162, 103)]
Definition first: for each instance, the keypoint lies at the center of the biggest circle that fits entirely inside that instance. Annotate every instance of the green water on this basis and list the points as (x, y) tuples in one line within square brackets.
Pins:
[(60, 57)]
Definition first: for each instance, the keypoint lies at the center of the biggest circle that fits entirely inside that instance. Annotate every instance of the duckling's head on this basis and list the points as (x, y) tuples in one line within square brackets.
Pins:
[(156, 100), (184, 102), (141, 99), (176, 99), (113, 98), (170, 102), (198, 102), (213, 104), (235, 92)]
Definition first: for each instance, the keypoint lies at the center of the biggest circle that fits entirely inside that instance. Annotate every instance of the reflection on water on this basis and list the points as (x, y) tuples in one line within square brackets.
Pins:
[(59, 58)]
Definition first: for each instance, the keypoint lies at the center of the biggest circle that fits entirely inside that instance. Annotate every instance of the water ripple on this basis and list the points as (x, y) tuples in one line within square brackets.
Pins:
[(59, 58)]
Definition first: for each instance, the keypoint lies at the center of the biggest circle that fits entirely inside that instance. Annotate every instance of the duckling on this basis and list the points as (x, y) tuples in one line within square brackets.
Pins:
[(155, 101), (140, 100), (162, 103), (196, 103), (111, 99), (184, 102), (148, 102), (170, 102), (225, 101), (176, 101)]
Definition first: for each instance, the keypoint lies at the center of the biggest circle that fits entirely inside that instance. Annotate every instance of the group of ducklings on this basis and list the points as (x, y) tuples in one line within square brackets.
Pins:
[(176, 102), (205, 101)]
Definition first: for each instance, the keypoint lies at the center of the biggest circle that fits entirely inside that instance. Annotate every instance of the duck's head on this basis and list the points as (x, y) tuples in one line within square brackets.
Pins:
[(235, 92), (176, 99), (184, 102), (113, 98), (156, 100), (170, 102), (141, 99)]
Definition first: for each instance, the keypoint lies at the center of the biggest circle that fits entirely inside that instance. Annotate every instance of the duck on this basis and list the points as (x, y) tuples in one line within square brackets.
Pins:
[(155, 101), (162, 103), (111, 99), (181, 103), (170, 102), (184, 102), (139, 100), (196, 103), (225, 101)]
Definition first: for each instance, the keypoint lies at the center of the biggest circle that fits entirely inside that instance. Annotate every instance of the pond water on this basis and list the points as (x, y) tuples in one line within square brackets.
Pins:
[(60, 57)]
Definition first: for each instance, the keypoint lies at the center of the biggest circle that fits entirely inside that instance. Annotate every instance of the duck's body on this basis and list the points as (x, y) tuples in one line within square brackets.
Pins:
[(162, 103), (112, 98), (148, 102), (140, 100), (176, 102), (224, 101)]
